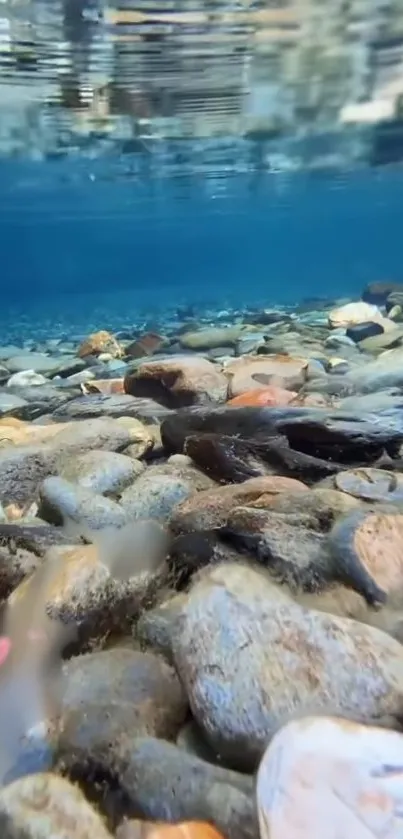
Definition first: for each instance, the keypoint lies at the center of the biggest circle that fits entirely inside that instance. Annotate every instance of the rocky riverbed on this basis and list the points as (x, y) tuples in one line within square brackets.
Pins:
[(201, 542)]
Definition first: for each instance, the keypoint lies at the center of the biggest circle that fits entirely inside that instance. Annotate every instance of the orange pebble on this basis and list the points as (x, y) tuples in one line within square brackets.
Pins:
[(272, 396)]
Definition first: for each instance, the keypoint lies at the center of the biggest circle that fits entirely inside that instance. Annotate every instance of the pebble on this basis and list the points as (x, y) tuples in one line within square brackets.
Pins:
[(101, 471), (354, 313), (43, 806), (27, 378), (158, 490), (250, 373), (61, 502)]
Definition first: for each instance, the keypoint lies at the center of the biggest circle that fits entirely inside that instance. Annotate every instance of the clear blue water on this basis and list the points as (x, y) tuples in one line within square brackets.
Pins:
[(87, 238)]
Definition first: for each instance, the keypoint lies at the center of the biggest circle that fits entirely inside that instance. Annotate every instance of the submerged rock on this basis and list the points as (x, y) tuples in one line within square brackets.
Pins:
[(178, 381), (250, 663)]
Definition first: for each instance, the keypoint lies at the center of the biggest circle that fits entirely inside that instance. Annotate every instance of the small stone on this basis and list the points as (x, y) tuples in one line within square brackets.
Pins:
[(275, 397), (98, 343), (43, 806), (39, 363), (396, 313), (368, 549), (26, 378), (61, 502), (100, 471), (178, 382), (354, 313), (104, 386), (322, 777), (10, 402), (147, 344), (207, 339), (158, 490)]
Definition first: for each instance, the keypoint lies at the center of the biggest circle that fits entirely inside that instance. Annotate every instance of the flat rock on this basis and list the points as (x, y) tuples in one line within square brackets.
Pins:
[(368, 548), (111, 698), (27, 378), (371, 484), (251, 372), (210, 509), (226, 459), (39, 362), (250, 663), (352, 789), (97, 405), (101, 471), (178, 381), (271, 396), (45, 806), (207, 339)]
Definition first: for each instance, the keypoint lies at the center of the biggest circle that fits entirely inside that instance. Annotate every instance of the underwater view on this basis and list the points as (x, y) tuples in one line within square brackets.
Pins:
[(201, 419)]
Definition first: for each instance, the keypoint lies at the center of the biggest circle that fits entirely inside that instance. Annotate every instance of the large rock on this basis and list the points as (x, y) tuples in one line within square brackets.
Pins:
[(178, 381), (326, 777), (250, 661)]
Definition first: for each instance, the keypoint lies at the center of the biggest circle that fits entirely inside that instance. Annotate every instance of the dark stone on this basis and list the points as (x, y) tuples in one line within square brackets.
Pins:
[(191, 552), (115, 405), (223, 458), (290, 546), (37, 538), (358, 332), (332, 436), (377, 293)]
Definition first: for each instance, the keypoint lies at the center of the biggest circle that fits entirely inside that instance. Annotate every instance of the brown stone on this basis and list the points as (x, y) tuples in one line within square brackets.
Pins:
[(147, 344), (178, 381), (105, 386), (98, 343), (210, 509), (326, 777), (283, 371)]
